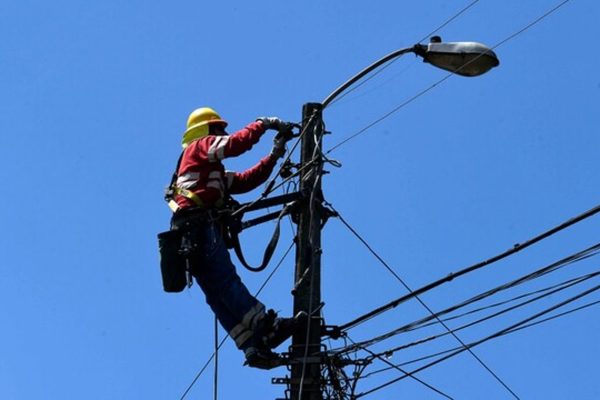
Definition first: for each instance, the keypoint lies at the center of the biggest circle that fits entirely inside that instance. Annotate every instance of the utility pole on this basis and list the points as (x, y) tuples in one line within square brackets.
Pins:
[(305, 380)]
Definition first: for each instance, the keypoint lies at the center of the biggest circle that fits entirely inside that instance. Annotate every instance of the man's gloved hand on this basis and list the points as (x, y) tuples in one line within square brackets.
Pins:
[(278, 149), (275, 123), (279, 142)]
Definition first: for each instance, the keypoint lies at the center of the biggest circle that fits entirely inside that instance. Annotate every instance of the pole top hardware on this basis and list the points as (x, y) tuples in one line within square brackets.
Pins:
[(333, 331)]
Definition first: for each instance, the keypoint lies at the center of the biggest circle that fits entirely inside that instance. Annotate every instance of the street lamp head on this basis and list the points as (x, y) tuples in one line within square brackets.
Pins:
[(462, 58)]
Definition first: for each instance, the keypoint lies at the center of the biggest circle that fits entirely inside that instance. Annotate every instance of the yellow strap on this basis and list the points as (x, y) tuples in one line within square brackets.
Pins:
[(190, 195)]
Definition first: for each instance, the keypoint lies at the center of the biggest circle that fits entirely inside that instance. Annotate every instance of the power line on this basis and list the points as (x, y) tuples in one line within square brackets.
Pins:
[(424, 323), (487, 338), (199, 374), (405, 372), (479, 360), (448, 20), (562, 314), (494, 305), (426, 90), (515, 249), (532, 324), (579, 256), (216, 353), (560, 288)]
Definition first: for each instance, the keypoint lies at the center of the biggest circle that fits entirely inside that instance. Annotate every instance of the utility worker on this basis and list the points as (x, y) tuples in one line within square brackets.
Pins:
[(202, 186)]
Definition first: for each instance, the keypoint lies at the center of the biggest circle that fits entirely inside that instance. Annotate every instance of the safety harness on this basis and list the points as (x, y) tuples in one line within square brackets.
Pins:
[(231, 217), (173, 190)]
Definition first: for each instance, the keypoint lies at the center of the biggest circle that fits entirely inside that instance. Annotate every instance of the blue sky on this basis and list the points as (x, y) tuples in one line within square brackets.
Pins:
[(94, 100)]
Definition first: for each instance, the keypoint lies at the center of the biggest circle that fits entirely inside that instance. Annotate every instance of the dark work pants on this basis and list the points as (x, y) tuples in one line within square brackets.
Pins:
[(236, 309)]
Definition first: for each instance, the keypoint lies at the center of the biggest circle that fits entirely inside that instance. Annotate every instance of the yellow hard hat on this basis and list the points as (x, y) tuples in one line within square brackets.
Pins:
[(198, 123)]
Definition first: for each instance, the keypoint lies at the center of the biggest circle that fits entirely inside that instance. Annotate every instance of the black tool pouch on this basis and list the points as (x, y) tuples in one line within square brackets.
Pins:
[(173, 263)]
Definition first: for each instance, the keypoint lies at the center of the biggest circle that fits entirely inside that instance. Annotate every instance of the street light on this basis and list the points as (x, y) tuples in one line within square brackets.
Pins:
[(461, 58)]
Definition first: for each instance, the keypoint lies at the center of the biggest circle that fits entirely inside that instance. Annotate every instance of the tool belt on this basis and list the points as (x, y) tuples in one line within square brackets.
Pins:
[(177, 245), (192, 215)]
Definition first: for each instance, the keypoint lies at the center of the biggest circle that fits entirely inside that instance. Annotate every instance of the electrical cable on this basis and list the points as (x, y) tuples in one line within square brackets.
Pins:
[(493, 305), (515, 249), (286, 190), (532, 324), (479, 360), (405, 372), (199, 374), (418, 325), (487, 338), (210, 359), (576, 257), (562, 314), (426, 90), (459, 13), (577, 281), (216, 353)]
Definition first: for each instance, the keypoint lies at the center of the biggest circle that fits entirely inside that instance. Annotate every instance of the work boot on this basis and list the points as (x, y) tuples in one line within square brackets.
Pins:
[(283, 328), (262, 358)]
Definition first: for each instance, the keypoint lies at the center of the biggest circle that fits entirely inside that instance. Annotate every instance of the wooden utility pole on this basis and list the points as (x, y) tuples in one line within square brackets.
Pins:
[(305, 381)]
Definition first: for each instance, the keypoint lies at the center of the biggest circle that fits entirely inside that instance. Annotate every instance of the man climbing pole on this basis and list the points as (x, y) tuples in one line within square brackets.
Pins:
[(200, 188)]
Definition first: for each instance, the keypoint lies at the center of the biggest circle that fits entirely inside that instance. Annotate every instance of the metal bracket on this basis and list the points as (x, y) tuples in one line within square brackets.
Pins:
[(265, 218), (270, 202), (281, 381), (333, 331), (326, 214)]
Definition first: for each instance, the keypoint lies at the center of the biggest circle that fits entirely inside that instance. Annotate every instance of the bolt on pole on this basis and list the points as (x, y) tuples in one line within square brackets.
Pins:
[(306, 345)]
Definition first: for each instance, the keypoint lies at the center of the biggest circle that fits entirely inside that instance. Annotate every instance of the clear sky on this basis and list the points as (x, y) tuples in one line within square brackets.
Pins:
[(94, 99)]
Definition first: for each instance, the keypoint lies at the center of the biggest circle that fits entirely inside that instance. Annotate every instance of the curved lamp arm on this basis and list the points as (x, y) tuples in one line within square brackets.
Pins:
[(461, 58), (365, 71)]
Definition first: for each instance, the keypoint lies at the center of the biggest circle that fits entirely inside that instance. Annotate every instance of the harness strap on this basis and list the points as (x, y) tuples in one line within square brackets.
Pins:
[(269, 250), (188, 194), (173, 190)]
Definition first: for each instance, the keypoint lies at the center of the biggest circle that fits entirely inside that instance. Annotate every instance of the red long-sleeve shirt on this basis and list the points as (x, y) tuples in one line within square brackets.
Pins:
[(202, 172)]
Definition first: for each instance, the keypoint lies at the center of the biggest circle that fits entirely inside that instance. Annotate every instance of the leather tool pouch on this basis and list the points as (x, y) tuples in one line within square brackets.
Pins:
[(173, 263)]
